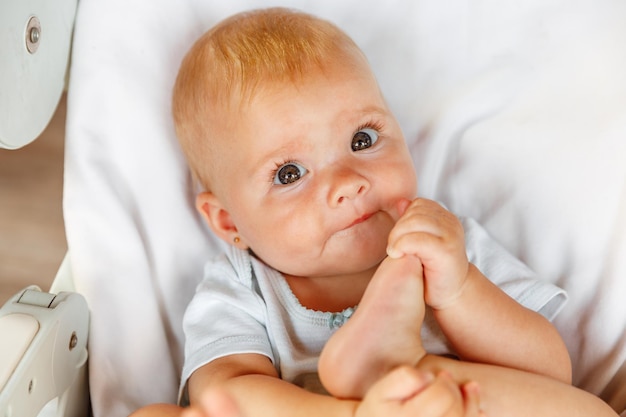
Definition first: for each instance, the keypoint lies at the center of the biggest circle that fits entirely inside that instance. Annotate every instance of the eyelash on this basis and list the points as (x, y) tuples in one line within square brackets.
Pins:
[(376, 125)]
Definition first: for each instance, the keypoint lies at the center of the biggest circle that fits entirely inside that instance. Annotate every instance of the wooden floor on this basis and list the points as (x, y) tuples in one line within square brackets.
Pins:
[(32, 236)]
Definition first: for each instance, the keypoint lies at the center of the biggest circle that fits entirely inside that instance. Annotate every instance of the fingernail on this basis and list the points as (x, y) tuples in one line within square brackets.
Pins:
[(402, 205), (472, 387), (392, 253), (445, 374)]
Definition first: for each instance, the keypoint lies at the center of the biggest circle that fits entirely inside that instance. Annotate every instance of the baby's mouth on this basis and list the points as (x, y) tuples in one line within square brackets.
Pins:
[(360, 220), (357, 221)]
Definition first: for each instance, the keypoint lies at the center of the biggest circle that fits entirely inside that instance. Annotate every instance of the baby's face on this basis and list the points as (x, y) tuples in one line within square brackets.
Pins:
[(313, 173)]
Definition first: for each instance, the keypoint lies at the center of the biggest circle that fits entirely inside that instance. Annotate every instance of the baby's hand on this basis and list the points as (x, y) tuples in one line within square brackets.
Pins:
[(434, 235), (406, 391)]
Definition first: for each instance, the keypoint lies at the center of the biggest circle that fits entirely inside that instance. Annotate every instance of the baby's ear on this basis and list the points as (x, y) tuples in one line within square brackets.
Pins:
[(217, 217)]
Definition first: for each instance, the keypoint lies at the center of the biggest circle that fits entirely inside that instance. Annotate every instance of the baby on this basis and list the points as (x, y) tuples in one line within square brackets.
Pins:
[(307, 176)]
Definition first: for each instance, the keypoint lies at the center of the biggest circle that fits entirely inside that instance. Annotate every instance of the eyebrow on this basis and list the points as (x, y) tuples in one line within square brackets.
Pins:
[(260, 166), (377, 110)]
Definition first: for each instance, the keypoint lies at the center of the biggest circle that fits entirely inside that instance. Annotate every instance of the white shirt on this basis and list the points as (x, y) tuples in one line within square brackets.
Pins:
[(244, 306)]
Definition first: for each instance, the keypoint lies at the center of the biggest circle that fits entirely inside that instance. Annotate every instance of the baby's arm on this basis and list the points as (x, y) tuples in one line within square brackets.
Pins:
[(253, 384), (483, 323)]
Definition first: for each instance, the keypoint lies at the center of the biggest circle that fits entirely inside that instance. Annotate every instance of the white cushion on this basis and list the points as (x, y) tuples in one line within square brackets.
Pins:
[(514, 113)]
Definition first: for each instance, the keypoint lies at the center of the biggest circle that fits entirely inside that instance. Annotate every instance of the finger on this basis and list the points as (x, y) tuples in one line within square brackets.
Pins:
[(428, 208), (401, 384), (471, 395), (402, 205), (420, 220), (419, 243), (442, 397), (405, 266), (426, 221)]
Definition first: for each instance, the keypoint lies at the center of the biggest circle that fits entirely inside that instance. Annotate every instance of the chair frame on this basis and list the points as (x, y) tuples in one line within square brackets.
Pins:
[(43, 353)]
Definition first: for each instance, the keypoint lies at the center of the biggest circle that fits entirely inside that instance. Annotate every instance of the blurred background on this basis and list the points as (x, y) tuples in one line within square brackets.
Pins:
[(32, 235)]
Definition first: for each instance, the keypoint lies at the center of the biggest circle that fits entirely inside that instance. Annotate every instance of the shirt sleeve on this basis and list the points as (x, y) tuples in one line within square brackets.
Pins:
[(226, 316), (510, 274)]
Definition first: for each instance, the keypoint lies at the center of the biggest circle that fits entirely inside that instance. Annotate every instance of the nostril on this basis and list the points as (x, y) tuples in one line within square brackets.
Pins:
[(350, 195)]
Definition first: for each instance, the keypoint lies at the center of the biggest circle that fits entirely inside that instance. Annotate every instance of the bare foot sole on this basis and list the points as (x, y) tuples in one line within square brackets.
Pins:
[(383, 333)]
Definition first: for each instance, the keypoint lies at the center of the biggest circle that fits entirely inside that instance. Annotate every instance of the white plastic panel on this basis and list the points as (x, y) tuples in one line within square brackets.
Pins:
[(31, 83), (47, 336), (18, 331)]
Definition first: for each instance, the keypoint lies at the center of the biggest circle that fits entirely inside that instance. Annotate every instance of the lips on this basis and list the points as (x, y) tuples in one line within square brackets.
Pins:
[(360, 220)]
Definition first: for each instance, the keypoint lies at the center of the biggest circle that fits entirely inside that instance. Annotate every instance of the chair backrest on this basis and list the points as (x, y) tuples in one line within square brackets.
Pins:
[(514, 113), (36, 42)]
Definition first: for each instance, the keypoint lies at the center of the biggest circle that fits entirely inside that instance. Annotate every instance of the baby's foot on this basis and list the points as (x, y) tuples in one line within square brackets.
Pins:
[(383, 333)]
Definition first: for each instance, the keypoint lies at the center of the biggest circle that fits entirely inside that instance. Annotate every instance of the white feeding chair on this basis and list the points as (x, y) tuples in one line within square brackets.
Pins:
[(515, 113), (43, 338)]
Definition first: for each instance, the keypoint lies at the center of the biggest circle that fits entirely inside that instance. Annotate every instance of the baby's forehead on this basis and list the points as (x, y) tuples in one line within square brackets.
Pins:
[(317, 98), (246, 90), (334, 71)]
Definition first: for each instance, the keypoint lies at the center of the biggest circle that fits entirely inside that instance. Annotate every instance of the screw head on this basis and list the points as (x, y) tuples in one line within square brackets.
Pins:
[(73, 340), (34, 34)]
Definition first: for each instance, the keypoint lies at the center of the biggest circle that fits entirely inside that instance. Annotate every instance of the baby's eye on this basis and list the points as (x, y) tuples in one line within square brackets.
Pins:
[(289, 173), (364, 139)]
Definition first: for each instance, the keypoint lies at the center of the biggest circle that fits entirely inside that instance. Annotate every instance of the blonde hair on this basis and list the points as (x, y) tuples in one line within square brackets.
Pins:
[(226, 66)]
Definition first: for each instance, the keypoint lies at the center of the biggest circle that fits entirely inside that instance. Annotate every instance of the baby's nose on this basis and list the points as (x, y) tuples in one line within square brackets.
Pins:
[(347, 185)]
